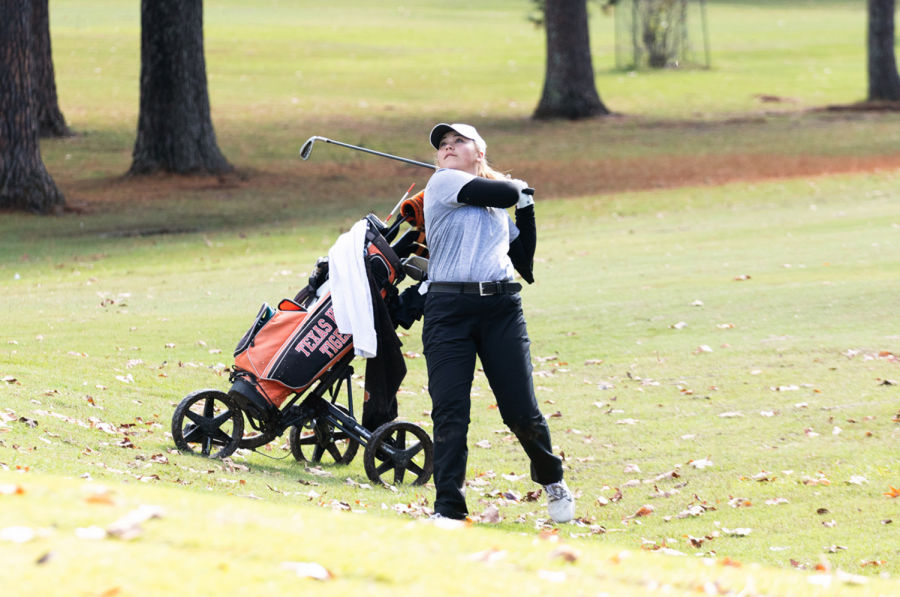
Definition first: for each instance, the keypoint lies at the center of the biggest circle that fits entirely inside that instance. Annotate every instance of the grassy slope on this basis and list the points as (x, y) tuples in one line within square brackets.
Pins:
[(226, 546), (614, 272)]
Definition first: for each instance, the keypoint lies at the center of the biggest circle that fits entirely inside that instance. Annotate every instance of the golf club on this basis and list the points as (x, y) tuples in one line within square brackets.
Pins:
[(307, 149), (308, 146)]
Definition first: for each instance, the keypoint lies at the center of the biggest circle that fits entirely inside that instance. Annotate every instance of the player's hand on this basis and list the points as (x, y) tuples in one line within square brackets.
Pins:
[(524, 200)]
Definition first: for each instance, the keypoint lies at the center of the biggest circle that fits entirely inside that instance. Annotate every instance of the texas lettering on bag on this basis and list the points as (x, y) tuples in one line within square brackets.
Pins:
[(321, 338)]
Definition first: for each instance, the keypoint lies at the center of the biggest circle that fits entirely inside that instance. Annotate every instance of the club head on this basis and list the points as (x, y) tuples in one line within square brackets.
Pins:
[(307, 148)]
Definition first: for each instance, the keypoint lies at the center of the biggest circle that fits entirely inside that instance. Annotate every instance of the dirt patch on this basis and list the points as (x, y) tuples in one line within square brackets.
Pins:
[(352, 182), (575, 179)]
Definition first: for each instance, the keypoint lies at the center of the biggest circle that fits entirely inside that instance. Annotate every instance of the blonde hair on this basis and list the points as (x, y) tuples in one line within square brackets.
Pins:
[(485, 169)]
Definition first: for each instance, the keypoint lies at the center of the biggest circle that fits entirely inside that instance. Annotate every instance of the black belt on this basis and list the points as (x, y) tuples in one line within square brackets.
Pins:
[(479, 288)]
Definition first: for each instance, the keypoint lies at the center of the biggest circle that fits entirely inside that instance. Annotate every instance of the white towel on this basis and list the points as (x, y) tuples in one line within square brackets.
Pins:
[(350, 292)]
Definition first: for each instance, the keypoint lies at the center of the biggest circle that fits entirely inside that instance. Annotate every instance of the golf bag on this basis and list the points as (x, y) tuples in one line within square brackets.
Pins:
[(289, 347)]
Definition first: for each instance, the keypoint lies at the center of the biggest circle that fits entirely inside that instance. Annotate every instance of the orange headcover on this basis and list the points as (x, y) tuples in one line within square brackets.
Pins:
[(413, 209)]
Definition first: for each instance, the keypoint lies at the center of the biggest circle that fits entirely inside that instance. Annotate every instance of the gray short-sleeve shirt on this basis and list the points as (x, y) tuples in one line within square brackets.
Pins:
[(466, 243)]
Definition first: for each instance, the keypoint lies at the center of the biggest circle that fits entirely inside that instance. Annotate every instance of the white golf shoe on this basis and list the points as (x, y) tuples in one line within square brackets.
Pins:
[(560, 502)]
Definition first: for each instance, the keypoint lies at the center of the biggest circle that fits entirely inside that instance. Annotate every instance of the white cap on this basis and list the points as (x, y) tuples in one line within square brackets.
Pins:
[(467, 131)]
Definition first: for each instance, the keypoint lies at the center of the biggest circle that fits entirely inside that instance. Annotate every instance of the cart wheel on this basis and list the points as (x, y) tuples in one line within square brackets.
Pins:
[(413, 454), (324, 439), (208, 420)]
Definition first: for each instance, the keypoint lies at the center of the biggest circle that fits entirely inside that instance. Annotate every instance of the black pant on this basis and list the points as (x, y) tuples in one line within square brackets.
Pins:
[(457, 326)]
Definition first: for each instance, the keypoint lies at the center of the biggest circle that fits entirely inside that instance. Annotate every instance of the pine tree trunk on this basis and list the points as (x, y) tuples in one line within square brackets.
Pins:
[(175, 131), (569, 89), (884, 81), (24, 181), (51, 122)]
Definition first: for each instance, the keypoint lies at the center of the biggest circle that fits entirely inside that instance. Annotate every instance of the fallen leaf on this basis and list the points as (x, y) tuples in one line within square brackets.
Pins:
[(631, 468), (17, 534), (484, 444), (644, 510), (129, 526), (701, 464), (893, 493), (489, 555), (514, 478), (739, 502), (593, 361), (549, 576), (740, 532), (11, 489), (533, 496), (566, 552), (490, 515), (703, 348), (317, 471), (92, 533), (741, 278), (308, 570)]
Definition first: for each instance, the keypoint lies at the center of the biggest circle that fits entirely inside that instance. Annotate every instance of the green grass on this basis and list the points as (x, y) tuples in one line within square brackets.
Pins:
[(293, 69), (208, 544), (614, 272), (86, 293), (371, 60)]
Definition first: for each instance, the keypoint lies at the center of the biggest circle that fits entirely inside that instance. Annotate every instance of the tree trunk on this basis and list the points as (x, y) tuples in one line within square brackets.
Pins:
[(884, 82), (569, 89), (50, 119), (24, 181), (175, 131)]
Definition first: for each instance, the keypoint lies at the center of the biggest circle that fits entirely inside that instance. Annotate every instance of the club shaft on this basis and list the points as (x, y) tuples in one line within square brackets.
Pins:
[(528, 191), (384, 155)]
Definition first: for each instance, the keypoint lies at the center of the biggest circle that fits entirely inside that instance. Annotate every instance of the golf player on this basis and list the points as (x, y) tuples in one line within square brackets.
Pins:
[(473, 308)]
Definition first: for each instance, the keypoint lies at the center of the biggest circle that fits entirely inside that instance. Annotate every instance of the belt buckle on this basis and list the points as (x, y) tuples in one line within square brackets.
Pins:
[(481, 291)]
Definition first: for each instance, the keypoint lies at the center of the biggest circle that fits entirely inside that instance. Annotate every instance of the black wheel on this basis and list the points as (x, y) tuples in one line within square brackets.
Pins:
[(208, 422), (312, 446), (391, 449)]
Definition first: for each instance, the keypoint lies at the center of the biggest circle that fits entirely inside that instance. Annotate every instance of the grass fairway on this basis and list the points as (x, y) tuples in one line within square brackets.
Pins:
[(225, 546), (772, 406), (793, 388)]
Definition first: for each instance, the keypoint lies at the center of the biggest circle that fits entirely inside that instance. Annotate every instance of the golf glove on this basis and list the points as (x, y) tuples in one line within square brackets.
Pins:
[(524, 200)]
